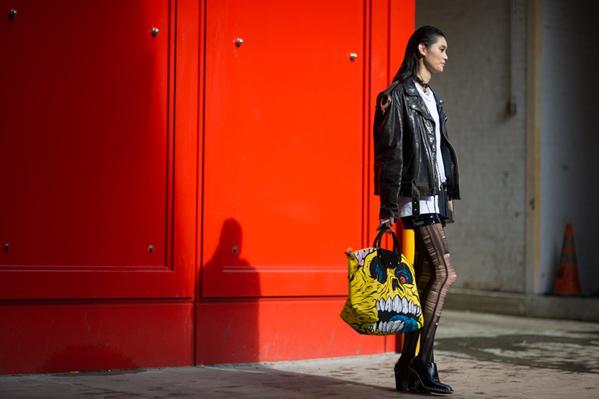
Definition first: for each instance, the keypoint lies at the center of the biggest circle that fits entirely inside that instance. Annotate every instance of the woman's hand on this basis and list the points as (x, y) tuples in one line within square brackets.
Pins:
[(388, 223)]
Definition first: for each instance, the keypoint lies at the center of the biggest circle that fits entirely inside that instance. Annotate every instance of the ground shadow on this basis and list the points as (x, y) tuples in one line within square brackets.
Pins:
[(574, 354), (208, 382)]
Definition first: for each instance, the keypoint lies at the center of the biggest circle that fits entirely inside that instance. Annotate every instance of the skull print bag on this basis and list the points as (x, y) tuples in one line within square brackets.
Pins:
[(382, 298)]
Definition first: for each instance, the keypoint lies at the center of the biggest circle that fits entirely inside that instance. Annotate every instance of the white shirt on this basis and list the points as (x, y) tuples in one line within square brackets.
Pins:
[(428, 204)]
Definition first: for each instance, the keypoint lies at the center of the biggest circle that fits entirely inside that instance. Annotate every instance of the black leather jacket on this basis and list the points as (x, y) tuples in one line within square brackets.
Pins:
[(405, 151)]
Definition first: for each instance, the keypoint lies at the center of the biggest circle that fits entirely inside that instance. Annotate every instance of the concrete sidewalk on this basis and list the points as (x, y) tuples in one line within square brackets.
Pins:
[(481, 356)]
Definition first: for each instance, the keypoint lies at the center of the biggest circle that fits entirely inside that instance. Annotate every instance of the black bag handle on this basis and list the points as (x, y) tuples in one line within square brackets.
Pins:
[(377, 240)]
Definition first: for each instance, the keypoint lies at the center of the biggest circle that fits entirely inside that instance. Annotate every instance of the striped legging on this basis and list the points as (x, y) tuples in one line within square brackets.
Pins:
[(434, 275)]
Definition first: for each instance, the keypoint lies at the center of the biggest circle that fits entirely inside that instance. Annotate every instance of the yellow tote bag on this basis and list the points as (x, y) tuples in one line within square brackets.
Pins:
[(383, 298)]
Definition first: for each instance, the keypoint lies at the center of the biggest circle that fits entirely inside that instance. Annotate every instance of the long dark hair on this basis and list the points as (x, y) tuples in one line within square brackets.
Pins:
[(426, 35)]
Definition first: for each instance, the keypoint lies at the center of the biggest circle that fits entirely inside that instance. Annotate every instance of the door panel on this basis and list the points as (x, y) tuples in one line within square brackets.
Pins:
[(84, 143), (52, 337), (87, 150), (275, 329), (282, 146)]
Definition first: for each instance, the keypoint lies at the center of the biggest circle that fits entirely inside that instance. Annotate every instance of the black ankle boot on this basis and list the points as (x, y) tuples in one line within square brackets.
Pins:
[(402, 375), (436, 377), (426, 379)]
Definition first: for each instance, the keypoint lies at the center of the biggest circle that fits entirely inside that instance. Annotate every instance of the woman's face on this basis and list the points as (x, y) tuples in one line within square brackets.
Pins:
[(435, 56)]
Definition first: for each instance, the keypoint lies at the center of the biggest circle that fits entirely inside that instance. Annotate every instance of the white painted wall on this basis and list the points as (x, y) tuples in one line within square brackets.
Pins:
[(569, 138), (486, 59), (488, 240)]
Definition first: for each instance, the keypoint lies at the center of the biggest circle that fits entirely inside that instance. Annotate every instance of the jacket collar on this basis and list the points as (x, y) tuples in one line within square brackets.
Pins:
[(418, 102), (410, 87), (415, 101)]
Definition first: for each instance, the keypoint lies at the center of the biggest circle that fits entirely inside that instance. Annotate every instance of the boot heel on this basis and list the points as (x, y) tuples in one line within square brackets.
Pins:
[(416, 384), (423, 380), (401, 379)]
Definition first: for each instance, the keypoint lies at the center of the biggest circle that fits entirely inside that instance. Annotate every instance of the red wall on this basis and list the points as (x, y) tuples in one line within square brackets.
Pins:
[(176, 199)]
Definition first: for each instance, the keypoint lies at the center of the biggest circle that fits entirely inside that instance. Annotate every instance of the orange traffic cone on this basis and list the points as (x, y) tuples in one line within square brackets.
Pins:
[(566, 282)]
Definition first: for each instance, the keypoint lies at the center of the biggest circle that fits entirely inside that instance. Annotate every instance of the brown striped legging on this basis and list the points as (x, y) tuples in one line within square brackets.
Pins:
[(434, 275)]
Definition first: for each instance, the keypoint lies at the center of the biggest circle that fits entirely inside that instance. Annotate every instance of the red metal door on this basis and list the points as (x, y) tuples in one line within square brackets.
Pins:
[(99, 165), (87, 155), (98, 198), (283, 146)]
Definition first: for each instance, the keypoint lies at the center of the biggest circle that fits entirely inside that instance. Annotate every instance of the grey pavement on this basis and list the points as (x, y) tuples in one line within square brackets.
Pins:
[(480, 355)]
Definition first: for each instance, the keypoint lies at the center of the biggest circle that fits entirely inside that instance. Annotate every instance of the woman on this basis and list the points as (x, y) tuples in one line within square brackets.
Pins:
[(416, 176)]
